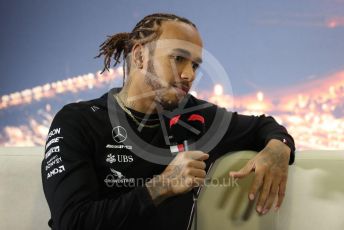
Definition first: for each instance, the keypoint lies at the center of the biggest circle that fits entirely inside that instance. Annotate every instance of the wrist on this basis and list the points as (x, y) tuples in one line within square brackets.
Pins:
[(279, 145), (158, 189)]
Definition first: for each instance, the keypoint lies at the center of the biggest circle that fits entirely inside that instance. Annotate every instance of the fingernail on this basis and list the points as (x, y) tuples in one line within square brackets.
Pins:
[(276, 208), (251, 196), (265, 211), (259, 209)]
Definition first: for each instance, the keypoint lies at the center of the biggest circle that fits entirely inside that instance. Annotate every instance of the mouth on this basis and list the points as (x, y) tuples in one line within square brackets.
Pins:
[(182, 88)]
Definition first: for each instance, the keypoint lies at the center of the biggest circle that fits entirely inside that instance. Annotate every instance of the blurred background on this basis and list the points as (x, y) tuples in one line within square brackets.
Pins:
[(282, 58)]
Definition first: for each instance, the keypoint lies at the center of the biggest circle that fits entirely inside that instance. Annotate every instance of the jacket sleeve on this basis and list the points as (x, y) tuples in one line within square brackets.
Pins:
[(253, 133), (71, 187)]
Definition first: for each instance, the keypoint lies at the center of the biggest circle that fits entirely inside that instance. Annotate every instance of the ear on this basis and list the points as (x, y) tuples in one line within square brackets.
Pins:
[(137, 57)]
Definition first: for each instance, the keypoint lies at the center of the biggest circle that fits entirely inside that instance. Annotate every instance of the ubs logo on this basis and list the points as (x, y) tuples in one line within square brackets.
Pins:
[(121, 158), (119, 134)]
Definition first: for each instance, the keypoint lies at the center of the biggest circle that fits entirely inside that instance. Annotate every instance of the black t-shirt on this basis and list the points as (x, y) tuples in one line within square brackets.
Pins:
[(97, 161)]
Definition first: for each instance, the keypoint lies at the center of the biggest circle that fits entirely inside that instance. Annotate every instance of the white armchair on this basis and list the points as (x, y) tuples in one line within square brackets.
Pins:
[(314, 198)]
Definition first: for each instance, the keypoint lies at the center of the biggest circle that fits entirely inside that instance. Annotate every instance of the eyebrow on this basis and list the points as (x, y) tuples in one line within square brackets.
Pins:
[(187, 54)]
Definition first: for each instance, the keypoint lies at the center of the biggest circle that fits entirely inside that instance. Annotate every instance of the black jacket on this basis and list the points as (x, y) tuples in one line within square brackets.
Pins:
[(93, 178)]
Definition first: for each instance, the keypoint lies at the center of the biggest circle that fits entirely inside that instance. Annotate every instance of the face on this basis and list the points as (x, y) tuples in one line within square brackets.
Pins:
[(172, 63)]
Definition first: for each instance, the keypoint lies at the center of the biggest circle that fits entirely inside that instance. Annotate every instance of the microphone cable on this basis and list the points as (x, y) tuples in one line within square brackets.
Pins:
[(195, 194)]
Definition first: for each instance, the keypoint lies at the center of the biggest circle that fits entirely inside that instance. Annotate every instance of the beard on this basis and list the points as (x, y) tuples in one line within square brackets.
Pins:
[(165, 95)]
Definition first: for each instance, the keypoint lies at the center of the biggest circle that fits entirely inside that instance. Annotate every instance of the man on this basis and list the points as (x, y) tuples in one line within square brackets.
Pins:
[(90, 161)]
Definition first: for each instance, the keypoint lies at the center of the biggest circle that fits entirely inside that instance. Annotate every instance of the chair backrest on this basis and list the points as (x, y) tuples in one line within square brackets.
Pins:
[(314, 197), (22, 202)]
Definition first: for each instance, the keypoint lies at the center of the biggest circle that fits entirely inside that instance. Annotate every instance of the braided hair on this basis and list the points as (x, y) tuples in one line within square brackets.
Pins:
[(146, 30)]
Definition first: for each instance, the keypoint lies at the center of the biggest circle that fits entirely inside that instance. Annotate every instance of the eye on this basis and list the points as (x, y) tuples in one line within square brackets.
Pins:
[(178, 58), (195, 66)]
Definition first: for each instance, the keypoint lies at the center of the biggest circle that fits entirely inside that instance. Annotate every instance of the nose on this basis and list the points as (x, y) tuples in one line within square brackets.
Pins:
[(188, 73)]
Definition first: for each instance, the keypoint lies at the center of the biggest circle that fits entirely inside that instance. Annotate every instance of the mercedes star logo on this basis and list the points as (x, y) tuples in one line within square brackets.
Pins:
[(119, 134)]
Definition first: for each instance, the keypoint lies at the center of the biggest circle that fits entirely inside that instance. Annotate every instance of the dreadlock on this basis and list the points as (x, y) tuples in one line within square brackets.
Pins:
[(146, 30)]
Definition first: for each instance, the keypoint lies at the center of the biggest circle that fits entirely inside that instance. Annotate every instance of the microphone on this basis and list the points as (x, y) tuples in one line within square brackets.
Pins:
[(185, 130)]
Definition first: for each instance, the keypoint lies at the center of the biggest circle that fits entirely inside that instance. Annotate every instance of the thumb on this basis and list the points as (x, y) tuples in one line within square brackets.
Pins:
[(244, 171)]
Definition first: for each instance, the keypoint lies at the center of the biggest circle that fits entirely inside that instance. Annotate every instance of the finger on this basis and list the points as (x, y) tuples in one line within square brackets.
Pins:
[(189, 181), (196, 172), (197, 155), (264, 193), (256, 184), (281, 192), (197, 164), (244, 171), (198, 181), (272, 196)]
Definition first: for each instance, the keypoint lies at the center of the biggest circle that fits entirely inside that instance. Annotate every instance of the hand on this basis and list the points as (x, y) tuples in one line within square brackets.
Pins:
[(271, 172), (186, 170)]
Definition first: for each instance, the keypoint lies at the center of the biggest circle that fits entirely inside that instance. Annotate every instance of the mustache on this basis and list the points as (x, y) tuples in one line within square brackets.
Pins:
[(182, 85)]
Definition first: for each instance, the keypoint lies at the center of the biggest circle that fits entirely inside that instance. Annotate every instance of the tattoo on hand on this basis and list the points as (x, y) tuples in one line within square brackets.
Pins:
[(275, 156)]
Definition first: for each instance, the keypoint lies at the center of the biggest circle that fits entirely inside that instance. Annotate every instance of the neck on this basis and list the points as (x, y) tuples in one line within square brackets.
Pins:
[(139, 100)]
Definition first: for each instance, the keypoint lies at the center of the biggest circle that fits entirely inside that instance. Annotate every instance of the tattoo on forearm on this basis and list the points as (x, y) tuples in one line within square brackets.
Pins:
[(162, 183), (156, 188)]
